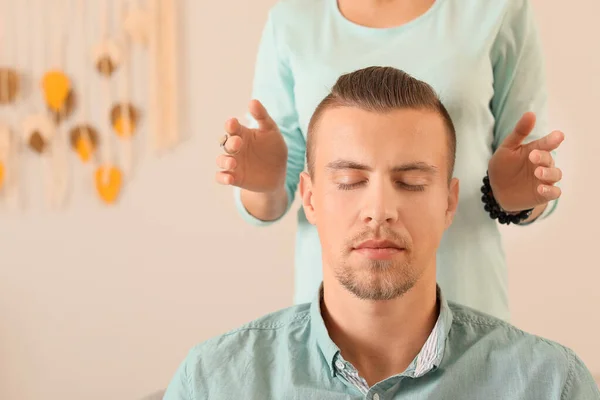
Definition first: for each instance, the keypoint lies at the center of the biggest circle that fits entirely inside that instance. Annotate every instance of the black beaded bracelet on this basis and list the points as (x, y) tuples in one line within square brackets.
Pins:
[(494, 209)]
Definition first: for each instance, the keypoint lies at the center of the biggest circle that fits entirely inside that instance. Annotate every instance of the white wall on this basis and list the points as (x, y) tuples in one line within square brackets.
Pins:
[(103, 303)]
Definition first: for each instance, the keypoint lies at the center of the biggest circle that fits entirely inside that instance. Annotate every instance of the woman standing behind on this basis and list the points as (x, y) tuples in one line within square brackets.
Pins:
[(484, 60)]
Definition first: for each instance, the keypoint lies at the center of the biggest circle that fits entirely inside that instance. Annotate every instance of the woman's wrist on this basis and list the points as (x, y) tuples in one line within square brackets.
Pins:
[(495, 211), (265, 206)]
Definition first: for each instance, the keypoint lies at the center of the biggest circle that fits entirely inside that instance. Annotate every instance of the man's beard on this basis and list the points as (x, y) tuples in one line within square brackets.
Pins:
[(379, 279)]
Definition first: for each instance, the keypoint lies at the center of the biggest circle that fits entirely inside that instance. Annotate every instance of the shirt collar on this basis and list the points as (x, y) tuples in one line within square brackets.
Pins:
[(429, 357), (432, 352), (324, 342)]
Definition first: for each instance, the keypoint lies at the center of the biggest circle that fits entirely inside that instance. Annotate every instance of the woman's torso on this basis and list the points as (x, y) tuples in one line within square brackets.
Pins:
[(449, 47)]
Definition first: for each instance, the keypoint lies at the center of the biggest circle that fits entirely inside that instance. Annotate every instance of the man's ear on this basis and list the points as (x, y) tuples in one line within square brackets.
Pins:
[(306, 193), (453, 193)]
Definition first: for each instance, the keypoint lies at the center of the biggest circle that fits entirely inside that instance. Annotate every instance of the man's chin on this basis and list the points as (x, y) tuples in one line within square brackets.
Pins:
[(369, 287), (374, 293), (377, 280)]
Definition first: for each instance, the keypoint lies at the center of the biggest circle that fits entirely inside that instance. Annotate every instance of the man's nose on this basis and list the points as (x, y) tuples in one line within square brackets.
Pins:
[(381, 204)]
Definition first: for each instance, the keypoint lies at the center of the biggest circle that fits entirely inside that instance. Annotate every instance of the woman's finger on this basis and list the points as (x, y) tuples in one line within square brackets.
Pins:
[(224, 178), (548, 175), (226, 162), (549, 142), (232, 144), (541, 158), (260, 114), (549, 192), (234, 128)]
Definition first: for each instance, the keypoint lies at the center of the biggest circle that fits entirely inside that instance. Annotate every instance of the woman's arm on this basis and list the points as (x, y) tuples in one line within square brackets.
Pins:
[(273, 87), (519, 80)]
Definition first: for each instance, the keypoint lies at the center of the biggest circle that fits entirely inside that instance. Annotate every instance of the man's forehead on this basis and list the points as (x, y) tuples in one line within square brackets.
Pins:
[(397, 141), (354, 130), (341, 115), (346, 124)]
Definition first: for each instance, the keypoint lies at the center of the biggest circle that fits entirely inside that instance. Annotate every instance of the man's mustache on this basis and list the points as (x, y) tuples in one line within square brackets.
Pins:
[(401, 240)]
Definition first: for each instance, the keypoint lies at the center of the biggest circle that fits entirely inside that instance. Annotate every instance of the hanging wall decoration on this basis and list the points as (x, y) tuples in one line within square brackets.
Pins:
[(40, 119), (5, 144), (162, 44), (107, 58), (137, 23), (39, 131), (9, 94), (123, 115), (58, 95), (9, 85), (83, 136), (84, 141), (8, 176), (9, 77)]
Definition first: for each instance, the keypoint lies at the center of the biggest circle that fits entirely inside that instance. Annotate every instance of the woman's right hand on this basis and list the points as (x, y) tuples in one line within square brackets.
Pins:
[(254, 159)]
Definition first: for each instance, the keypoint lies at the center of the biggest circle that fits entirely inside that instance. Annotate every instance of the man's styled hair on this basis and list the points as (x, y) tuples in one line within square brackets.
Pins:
[(381, 89)]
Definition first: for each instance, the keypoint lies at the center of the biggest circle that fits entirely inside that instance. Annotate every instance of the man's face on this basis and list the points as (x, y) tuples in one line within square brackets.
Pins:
[(379, 197)]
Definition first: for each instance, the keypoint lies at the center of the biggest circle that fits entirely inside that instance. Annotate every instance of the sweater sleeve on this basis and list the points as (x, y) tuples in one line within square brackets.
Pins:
[(273, 86), (519, 77)]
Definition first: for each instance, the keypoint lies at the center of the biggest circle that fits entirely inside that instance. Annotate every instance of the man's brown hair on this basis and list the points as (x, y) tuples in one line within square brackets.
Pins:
[(381, 89)]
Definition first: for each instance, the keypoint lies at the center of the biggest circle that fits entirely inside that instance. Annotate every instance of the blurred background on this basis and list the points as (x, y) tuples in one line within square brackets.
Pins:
[(103, 302)]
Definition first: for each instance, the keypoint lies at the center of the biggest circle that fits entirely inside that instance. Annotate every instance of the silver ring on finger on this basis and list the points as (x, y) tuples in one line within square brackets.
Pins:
[(223, 142)]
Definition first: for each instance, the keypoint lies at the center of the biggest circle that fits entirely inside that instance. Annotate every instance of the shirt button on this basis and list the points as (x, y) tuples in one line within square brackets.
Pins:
[(340, 365), (375, 396)]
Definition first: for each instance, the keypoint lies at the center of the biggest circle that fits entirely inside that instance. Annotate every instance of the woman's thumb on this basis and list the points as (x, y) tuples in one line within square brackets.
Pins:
[(260, 114)]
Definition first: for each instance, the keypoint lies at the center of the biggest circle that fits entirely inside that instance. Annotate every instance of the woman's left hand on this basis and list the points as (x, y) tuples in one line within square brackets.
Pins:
[(523, 176)]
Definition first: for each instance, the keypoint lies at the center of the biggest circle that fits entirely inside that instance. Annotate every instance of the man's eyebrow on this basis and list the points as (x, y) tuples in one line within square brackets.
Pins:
[(411, 166), (416, 166), (347, 164)]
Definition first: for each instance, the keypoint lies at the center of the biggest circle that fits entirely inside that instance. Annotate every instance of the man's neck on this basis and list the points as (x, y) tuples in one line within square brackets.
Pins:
[(380, 338), (383, 13)]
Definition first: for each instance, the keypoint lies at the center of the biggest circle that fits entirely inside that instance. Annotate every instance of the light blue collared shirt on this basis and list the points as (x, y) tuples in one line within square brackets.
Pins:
[(468, 356)]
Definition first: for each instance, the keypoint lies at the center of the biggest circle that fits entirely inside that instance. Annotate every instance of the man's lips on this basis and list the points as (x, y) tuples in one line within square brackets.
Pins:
[(379, 249), (378, 244)]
